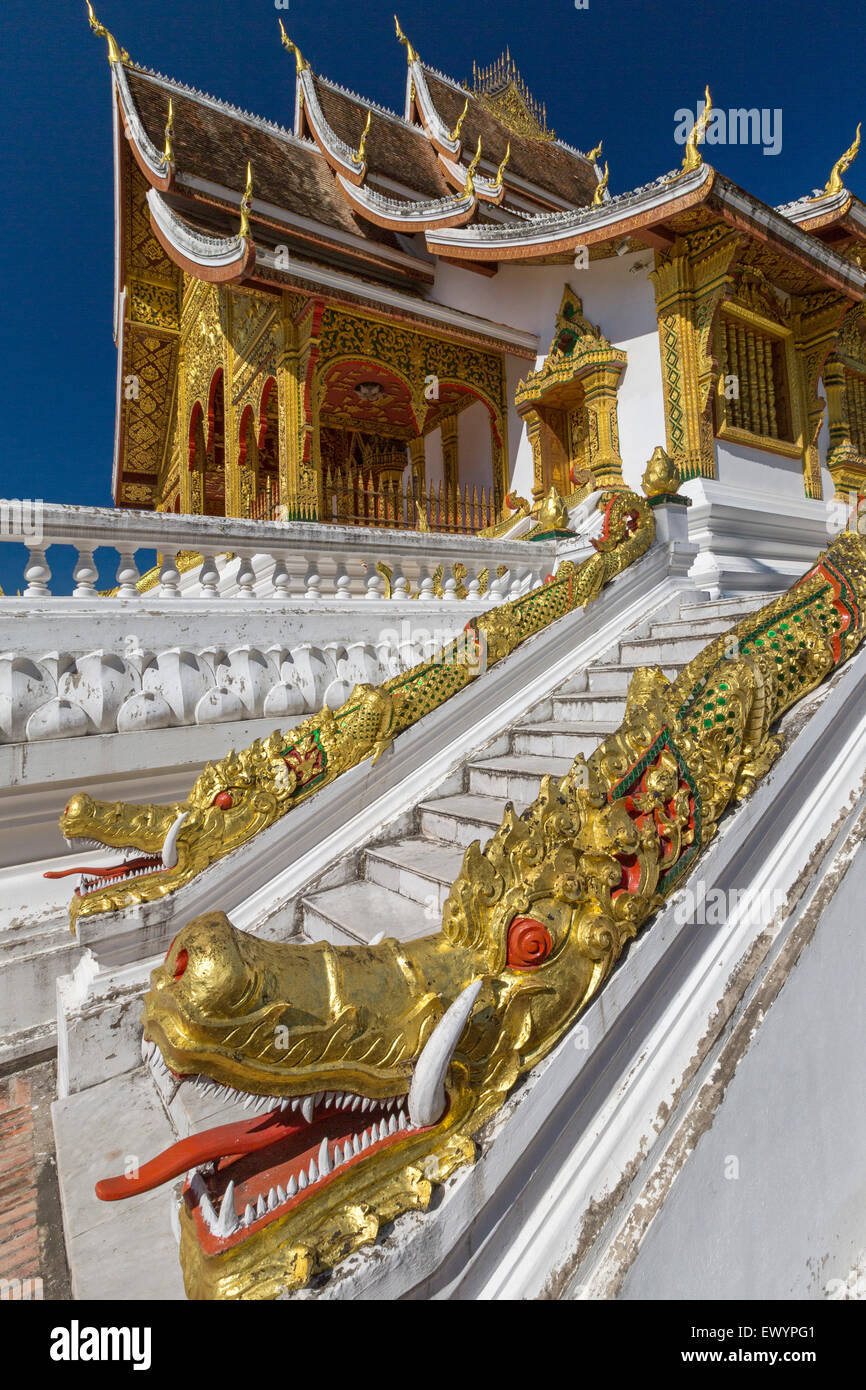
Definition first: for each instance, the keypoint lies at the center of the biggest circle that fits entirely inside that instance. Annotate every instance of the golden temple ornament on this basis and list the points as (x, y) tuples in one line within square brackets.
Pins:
[(601, 187), (361, 154), (661, 477), (834, 183), (469, 185), (553, 513), (246, 204), (455, 134), (168, 151), (692, 158), (411, 54), (497, 183), (300, 62), (593, 155), (116, 54)]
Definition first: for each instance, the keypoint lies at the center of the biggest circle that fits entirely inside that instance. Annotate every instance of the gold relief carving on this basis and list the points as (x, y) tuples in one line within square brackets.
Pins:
[(816, 321), (153, 305)]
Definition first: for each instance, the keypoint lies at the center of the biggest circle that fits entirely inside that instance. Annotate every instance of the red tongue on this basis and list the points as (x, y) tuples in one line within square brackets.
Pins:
[(245, 1136), (114, 872)]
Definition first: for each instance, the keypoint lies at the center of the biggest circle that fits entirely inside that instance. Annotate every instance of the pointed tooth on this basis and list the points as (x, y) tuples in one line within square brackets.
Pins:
[(261, 1208), (293, 1187), (402, 1120), (319, 1096), (365, 1105), (329, 1097), (302, 1180), (338, 1156), (227, 1223), (392, 1125), (249, 1214), (313, 1171), (282, 1195), (383, 1130), (339, 1097), (356, 1102), (324, 1157), (273, 1199), (356, 1147), (365, 1140), (308, 1105)]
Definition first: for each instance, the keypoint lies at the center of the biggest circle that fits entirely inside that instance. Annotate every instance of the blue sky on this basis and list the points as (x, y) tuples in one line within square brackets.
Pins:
[(617, 70)]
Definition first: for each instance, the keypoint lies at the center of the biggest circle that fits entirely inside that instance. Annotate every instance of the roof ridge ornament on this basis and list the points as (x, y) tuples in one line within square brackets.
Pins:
[(593, 155), (116, 54), (301, 64), (469, 186), (601, 187), (693, 159), (246, 205), (168, 151), (411, 53), (455, 133), (497, 182), (834, 183), (361, 155), (501, 89)]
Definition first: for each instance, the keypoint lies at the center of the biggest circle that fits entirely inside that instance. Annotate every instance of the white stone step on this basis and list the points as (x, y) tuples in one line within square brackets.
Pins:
[(358, 911), (615, 680), (418, 868), (463, 818), (647, 652), (559, 740), (692, 627), (516, 778), (588, 709), (734, 608)]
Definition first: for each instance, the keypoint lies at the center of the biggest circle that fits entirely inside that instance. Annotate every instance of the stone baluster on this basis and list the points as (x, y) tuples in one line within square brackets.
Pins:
[(312, 581), (450, 588), (343, 584), (37, 573), (246, 577), (425, 585), (127, 575), (399, 585), (209, 577), (375, 585), (499, 587), (85, 575), (280, 579), (169, 578), (474, 589)]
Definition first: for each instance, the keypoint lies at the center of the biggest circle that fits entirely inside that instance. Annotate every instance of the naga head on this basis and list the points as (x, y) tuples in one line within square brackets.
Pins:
[(367, 1069)]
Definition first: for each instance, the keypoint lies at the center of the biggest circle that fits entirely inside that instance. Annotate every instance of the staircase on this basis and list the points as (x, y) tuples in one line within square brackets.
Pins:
[(402, 884)]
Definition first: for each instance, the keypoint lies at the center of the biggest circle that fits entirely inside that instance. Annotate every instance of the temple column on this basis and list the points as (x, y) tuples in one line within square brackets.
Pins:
[(418, 462), (600, 387), (450, 453), (817, 319)]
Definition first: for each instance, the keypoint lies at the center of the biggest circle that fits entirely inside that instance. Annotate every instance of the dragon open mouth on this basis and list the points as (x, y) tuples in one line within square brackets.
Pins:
[(243, 1175), (134, 865)]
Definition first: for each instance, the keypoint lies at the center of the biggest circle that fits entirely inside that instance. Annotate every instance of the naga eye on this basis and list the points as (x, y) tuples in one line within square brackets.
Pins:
[(180, 964), (529, 943), (224, 800)]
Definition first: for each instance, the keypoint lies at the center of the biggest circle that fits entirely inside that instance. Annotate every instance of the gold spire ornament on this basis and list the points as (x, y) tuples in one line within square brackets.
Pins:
[(693, 158), (168, 151), (601, 188), (246, 204), (661, 477), (593, 155), (834, 183), (300, 62), (361, 154), (469, 186), (503, 166), (116, 54), (411, 54), (455, 134)]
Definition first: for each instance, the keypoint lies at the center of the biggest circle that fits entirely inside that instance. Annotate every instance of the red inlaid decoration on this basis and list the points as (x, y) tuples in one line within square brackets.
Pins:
[(224, 800), (181, 963), (529, 943)]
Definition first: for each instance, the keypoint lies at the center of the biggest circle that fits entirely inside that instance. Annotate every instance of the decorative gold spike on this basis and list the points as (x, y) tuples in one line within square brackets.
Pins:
[(601, 188), (834, 183), (497, 183), (594, 154), (469, 185), (362, 148), (246, 204), (455, 134), (116, 54), (168, 152), (300, 62), (693, 158), (411, 55)]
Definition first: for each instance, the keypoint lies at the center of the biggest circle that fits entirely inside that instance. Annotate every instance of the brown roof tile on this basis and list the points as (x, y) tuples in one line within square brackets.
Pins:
[(394, 149)]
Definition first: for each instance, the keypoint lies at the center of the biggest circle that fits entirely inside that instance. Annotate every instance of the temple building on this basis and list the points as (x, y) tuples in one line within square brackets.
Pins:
[(408, 318)]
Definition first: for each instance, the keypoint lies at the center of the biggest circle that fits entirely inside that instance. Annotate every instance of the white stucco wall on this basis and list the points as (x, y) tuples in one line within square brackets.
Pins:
[(474, 444)]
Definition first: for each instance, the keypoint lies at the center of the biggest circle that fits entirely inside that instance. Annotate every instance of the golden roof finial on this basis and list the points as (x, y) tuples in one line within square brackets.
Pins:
[(246, 204), (497, 183), (411, 55), (834, 183), (600, 188), (455, 134), (168, 152), (116, 54), (362, 148), (469, 186), (300, 62), (594, 154), (692, 158)]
